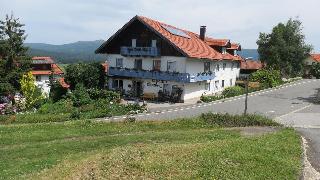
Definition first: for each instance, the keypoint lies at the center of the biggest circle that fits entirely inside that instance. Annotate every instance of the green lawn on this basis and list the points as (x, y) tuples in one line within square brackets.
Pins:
[(184, 149)]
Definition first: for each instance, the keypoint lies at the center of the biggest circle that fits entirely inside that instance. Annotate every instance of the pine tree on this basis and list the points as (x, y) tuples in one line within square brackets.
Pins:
[(14, 61)]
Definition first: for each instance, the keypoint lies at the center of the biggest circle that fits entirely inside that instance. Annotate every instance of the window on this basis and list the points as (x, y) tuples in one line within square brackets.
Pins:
[(156, 65), (154, 43), (222, 83), (117, 84), (216, 84), (238, 65), (38, 78), (232, 65), (134, 42), (231, 82), (138, 64), (171, 66), (224, 66), (119, 62), (206, 66), (224, 50), (207, 86), (218, 67), (235, 53)]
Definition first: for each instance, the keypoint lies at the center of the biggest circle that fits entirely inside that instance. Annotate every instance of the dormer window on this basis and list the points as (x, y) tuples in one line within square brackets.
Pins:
[(224, 50)]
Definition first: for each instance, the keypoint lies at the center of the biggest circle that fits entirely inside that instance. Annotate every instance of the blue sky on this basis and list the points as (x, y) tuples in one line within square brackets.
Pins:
[(65, 21)]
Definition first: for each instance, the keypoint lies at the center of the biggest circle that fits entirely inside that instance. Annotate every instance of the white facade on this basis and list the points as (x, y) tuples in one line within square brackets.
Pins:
[(43, 82), (225, 71)]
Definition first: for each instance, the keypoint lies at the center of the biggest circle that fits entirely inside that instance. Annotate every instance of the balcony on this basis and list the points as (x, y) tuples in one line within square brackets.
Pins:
[(140, 51), (160, 75)]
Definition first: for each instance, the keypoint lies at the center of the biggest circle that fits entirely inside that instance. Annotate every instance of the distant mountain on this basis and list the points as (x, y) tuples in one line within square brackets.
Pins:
[(249, 53), (81, 51)]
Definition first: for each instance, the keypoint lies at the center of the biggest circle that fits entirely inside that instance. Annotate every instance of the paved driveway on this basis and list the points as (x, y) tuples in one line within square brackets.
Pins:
[(291, 105)]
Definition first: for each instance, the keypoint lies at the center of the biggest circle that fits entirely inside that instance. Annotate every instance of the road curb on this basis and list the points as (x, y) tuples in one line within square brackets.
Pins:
[(308, 171)]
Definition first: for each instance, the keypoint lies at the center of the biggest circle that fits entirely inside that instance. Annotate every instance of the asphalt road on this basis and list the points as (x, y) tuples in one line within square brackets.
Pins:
[(291, 104)]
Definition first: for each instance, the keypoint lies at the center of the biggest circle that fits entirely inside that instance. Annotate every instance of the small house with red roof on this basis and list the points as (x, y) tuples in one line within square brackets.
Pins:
[(146, 56), (248, 66), (42, 69), (313, 58)]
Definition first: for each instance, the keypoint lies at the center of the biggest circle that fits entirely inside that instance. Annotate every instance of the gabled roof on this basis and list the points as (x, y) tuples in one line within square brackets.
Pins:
[(189, 45), (315, 57)]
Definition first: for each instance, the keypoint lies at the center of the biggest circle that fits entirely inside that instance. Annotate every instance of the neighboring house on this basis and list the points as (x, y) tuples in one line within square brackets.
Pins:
[(42, 69), (147, 57), (313, 58), (249, 66)]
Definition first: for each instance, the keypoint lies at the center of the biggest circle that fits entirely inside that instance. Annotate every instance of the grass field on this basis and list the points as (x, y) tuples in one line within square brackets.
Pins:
[(184, 149)]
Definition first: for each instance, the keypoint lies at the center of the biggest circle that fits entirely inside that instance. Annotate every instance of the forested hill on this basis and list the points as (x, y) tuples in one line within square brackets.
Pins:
[(83, 51)]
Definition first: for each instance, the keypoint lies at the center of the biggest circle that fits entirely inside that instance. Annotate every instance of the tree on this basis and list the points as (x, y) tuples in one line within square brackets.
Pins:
[(285, 48), (91, 75), (30, 91), (14, 61)]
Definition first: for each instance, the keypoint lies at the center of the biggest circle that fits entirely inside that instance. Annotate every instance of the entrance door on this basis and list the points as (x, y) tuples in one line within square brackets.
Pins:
[(137, 88)]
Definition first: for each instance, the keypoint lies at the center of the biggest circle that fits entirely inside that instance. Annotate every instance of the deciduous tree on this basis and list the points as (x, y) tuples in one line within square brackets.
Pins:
[(284, 48)]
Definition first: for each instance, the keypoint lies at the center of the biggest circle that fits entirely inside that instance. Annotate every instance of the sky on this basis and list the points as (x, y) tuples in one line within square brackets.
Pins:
[(66, 21)]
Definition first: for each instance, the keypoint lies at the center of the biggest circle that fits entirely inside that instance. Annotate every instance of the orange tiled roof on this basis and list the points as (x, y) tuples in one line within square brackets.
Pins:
[(192, 47), (217, 42), (63, 83), (251, 64), (235, 46), (316, 57), (106, 66), (56, 69), (44, 58)]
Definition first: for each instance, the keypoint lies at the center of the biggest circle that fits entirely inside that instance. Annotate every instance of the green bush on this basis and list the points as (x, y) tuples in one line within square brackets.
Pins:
[(40, 118), (57, 92), (227, 120), (232, 91), (75, 114), (267, 77), (62, 106), (80, 96), (315, 70), (103, 94), (210, 98)]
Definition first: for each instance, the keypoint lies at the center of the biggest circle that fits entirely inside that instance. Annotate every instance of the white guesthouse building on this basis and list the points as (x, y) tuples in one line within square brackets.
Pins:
[(147, 57)]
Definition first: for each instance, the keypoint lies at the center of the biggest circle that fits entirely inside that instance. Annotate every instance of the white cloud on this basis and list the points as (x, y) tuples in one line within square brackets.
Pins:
[(59, 21)]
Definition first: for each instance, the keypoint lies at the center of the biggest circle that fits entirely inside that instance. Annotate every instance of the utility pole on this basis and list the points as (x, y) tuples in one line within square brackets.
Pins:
[(246, 100)]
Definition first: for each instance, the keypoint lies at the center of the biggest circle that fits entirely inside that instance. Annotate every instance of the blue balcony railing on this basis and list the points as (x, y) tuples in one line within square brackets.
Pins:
[(140, 51), (160, 75)]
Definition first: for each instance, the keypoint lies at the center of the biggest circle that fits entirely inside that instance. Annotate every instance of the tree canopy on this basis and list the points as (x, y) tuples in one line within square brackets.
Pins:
[(284, 48), (90, 75), (14, 61)]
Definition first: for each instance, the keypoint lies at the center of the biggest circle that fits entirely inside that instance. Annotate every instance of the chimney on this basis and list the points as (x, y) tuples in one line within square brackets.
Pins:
[(202, 32)]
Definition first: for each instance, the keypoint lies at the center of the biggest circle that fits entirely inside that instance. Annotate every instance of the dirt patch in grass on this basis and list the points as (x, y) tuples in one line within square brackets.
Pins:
[(256, 131)]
